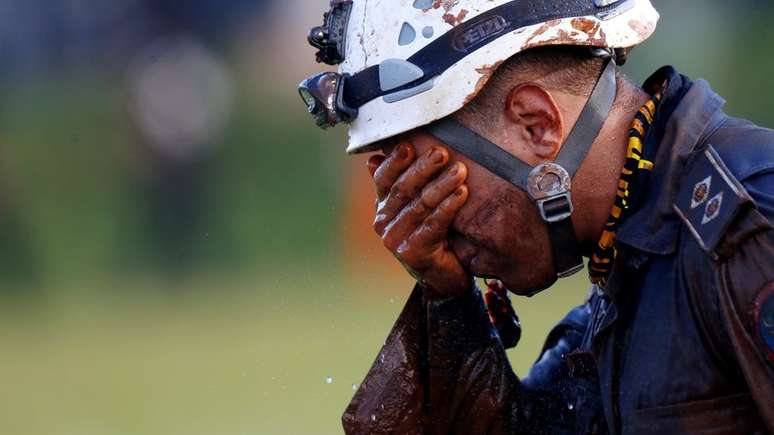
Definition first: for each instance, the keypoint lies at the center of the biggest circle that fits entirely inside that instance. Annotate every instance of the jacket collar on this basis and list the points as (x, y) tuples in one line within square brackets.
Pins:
[(690, 112)]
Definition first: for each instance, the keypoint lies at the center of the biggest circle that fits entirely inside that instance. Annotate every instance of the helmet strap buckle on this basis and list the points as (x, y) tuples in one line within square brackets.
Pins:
[(549, 186)]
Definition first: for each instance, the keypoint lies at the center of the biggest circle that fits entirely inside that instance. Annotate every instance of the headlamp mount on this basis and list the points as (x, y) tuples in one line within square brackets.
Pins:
[(330, 38)]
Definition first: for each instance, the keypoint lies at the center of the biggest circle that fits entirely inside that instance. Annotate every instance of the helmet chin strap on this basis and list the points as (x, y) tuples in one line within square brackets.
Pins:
[(548, 184)]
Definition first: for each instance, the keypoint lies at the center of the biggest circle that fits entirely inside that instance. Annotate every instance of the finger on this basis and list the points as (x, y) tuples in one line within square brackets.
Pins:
[(435, 229), (420, 208), (373, 163), (412, 181), (392, 167), (408, 186)]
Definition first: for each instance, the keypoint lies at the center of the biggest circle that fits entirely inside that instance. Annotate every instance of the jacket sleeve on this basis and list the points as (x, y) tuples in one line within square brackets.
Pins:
[(443, 370), (728, 259), (391, 398), (746, 302)]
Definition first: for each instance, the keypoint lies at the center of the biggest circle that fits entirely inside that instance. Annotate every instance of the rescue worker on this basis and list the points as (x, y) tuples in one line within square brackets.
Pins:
[(512, 149)]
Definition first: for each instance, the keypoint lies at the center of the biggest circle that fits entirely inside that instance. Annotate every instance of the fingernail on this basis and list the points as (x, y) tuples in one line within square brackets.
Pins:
[(456, 170), (403, 152), (437, 156), (373, 163), (460, 191)]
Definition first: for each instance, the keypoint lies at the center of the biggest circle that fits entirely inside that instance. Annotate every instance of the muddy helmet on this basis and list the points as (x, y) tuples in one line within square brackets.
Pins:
[(406, 63)]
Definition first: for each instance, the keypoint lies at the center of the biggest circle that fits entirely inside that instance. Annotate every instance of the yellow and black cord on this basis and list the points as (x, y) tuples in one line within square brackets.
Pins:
[(601, 263)]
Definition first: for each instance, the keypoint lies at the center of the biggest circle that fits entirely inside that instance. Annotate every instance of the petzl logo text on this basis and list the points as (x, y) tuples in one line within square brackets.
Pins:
[(479, 32)]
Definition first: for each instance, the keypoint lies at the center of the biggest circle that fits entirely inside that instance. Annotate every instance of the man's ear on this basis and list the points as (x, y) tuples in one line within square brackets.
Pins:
[(531, 109)]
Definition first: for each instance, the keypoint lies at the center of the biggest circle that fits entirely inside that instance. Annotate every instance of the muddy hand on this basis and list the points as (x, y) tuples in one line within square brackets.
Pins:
[(417, 201)]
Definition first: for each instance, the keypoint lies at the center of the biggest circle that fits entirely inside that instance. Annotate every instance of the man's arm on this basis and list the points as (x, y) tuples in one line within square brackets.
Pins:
[(746, 299), (443, 370), (734, 292), (391, 398)]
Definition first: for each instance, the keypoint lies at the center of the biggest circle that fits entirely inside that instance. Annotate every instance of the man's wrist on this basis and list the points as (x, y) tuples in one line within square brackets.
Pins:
[(458, 324), (437, 295)]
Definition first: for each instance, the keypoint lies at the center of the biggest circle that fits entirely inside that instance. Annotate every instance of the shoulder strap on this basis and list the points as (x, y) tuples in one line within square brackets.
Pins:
[(709, 199)]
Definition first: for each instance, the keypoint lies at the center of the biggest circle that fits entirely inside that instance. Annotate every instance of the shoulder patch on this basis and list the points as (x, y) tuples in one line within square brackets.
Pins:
[(764, 320), (709, 199)]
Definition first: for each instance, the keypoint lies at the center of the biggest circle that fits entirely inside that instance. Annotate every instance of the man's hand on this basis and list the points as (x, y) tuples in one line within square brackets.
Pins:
[(415, 209)]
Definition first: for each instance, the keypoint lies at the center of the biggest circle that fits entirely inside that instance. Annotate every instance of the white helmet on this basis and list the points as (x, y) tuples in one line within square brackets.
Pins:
[(407, 63)]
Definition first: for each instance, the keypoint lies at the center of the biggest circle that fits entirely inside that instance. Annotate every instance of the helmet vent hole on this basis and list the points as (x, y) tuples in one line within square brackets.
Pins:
[(407, 34)]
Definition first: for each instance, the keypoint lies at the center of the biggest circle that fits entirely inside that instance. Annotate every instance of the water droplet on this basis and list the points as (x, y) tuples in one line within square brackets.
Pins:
[(373, 417), (381, 358), (354, 387), (570, 406), (329, 380)]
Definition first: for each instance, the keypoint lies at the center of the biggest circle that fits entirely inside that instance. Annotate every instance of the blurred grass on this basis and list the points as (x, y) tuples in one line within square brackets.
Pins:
[(74, 193), (253, 358)]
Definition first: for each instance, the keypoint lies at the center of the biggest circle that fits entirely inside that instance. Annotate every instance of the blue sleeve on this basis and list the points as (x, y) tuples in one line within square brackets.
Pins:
[(565, 338), (566, 374)]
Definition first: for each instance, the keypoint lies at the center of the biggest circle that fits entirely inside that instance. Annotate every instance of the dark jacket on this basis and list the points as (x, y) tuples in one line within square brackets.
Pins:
[(679, 341)]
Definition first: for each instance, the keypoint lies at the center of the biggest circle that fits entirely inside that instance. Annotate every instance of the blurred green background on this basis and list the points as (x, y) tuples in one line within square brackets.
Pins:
[(182, 252)]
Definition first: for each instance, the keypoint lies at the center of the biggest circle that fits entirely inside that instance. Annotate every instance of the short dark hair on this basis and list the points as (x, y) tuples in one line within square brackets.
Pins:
[(568, 69)]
